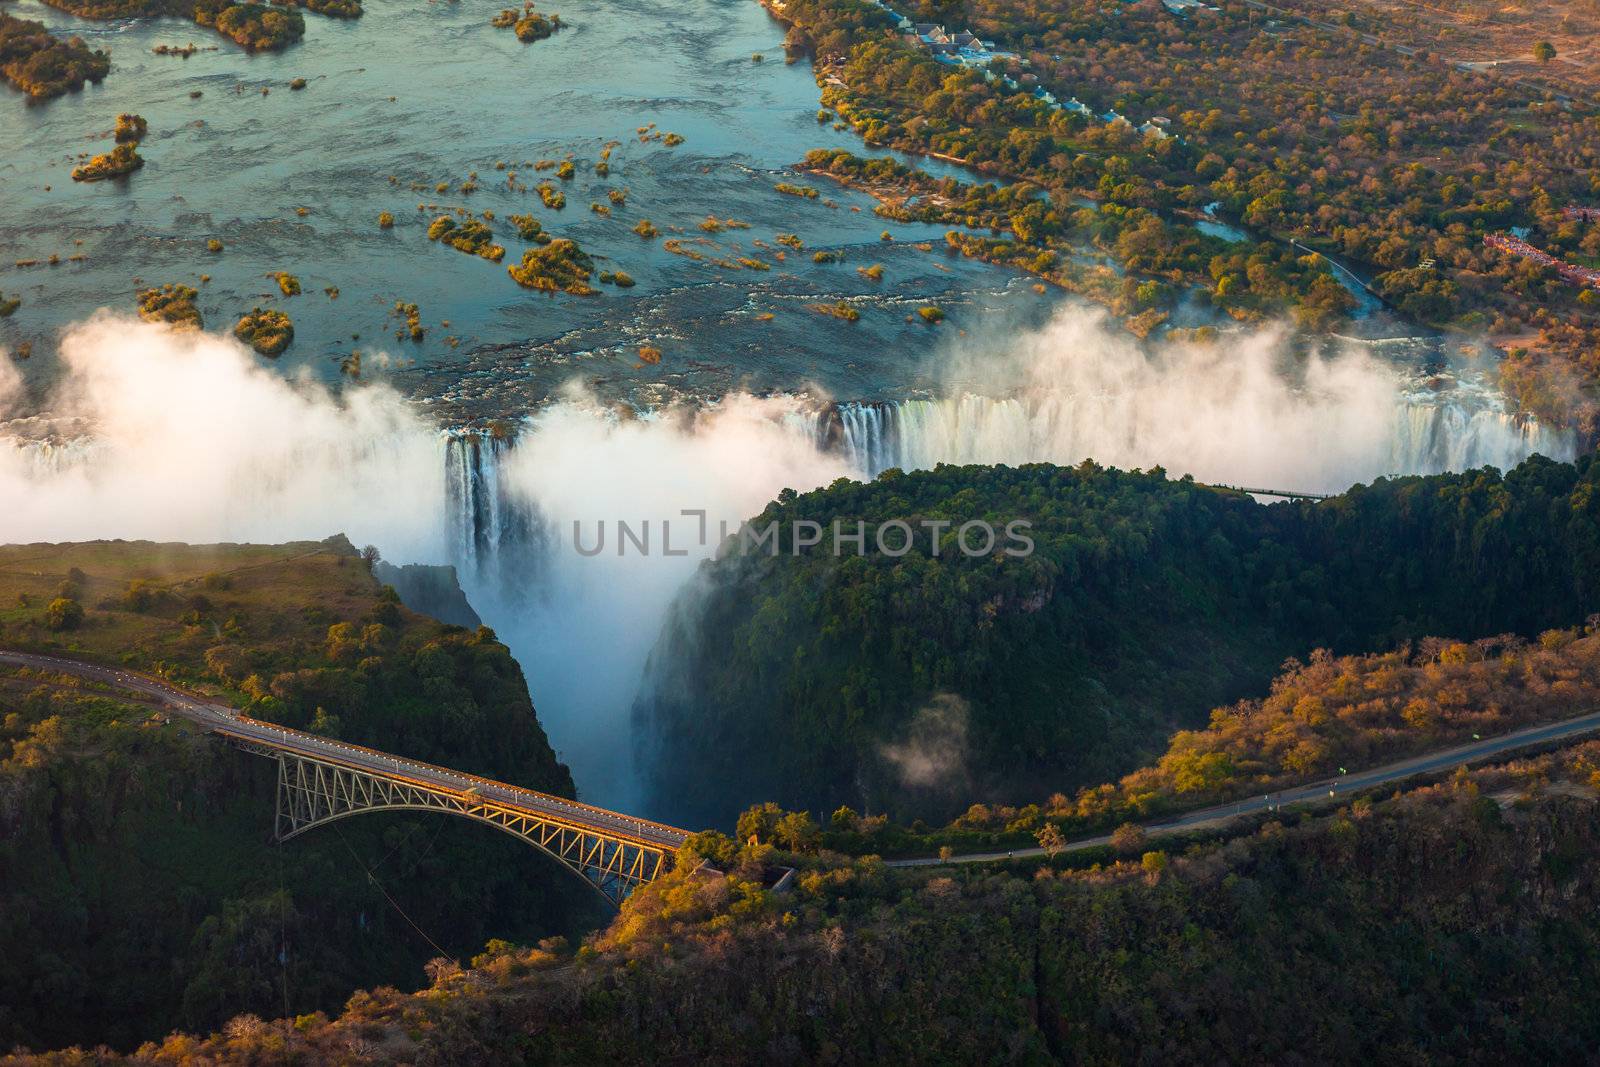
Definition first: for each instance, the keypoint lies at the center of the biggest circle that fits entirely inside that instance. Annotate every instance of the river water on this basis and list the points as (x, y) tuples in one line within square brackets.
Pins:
[(179, 438), (428, 93)]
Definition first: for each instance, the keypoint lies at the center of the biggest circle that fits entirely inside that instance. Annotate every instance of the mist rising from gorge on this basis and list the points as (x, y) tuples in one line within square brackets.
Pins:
[(188, 437)]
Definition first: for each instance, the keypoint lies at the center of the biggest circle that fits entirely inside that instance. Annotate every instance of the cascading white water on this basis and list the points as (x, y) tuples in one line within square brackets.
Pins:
[(1422, 437), (187, 437)]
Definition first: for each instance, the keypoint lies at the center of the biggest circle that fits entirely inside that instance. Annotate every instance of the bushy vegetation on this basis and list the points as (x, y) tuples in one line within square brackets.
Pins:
[(916, 684), (267, 330), (130, 128), (337, 9), (470, 236), (529, 26), (1450, 923), (1330, 714), (141, 886), (44, 66), (122, 160), (172, 304), (255, 26), (558, 266), (1398, 163)]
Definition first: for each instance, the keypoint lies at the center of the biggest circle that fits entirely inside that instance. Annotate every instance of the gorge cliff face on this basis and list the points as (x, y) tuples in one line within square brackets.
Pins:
[(919, 684), (139, 886)]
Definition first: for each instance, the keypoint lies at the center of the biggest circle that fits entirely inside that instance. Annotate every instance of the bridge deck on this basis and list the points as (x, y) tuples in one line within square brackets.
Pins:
[(226, 722), (431, 776)]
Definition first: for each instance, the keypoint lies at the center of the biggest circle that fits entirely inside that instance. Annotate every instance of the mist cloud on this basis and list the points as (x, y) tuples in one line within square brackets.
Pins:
[(187, 436), (932, 754)]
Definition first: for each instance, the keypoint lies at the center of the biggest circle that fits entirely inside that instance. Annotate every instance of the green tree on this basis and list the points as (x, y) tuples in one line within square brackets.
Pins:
[(1544, 51), (758, 824), (324, 724), (796, 832), (63, 614), (1127, 839), (1153, 863)]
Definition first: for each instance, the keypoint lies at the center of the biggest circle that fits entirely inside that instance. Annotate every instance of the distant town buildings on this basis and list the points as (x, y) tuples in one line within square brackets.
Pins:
[(1516, 246), (962, 49)]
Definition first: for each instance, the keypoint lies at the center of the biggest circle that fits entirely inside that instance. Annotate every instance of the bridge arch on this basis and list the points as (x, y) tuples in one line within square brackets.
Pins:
[(313, 792)]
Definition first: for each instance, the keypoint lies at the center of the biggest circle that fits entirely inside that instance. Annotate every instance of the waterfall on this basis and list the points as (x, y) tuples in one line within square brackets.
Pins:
[(1421, 437), (495, 533), (185, 437)]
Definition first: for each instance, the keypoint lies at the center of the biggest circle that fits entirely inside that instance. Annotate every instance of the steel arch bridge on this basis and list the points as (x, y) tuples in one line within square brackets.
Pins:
[(321, 780), (613, 853)]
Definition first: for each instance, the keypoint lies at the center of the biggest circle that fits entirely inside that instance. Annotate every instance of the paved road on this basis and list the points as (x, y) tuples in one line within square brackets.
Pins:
[(225, 721), (1327, 789)]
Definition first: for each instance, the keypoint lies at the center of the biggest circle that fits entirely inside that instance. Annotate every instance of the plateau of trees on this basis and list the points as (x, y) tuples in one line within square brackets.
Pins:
[(1147, 602), (1448, 923), (1397, 164)]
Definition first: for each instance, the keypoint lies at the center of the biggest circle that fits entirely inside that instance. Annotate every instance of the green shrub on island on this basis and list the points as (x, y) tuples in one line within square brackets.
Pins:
[(44, 66), (536, 27), (254, 26), (618, 196), (872, 273), (829, 256), (385, 220), (791, 240), (333, 9), (565, 171), (266, 330), (470, 236), (790, 189), (646, 229), (839, 310), (297, 84), (530, 229), (121, 160), (672, 140), (620, 278), (8, 305), (172, 304), (288, 283), (130, 128), (413, 316), (560, 266), (931, 313), (529, 25), (213, 245), (553, 198)]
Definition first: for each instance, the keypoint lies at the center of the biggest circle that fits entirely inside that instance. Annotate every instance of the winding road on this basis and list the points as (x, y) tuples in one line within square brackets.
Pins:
[(1331, 788)]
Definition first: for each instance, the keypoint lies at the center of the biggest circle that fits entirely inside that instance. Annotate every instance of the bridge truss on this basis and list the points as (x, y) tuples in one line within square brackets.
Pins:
[(313, 792)]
